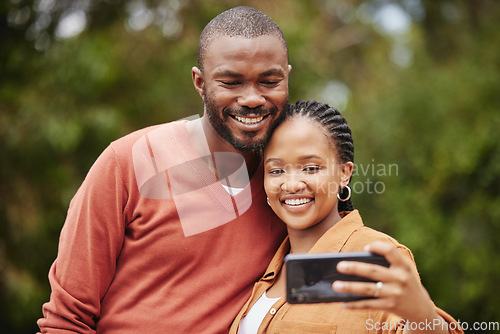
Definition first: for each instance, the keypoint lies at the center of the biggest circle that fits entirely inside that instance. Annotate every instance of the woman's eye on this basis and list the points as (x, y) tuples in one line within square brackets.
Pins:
[(275, 171), (311, 169)]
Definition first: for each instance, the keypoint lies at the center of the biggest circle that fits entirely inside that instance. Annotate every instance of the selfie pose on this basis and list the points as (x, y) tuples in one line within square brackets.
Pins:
[(308, 165)]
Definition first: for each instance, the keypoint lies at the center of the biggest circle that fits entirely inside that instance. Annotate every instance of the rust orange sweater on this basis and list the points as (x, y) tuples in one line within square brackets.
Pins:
[(152, 243)]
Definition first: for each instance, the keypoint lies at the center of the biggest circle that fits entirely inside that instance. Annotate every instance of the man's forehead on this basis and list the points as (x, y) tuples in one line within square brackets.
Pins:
[(263, 53), (233, 44), (226, 71)]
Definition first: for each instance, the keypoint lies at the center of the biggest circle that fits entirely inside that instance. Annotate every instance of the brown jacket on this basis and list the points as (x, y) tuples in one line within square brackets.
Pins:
[(348, 235)]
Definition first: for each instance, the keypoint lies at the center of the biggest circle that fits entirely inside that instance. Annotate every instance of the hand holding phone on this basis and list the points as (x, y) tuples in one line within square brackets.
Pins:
[(309, 277)]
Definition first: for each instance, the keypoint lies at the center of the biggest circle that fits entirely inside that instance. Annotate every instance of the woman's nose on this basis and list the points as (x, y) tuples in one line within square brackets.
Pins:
[(293, 184)]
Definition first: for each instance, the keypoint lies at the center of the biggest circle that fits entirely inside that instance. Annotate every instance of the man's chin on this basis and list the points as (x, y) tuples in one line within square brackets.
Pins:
[(249, 144), (245, 147)]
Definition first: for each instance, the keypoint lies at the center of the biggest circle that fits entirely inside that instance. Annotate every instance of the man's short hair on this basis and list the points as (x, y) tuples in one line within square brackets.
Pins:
[(240, 21)]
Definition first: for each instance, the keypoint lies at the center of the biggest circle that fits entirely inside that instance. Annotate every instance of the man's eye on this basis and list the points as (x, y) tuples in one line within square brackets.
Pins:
[(271, 83), (230, 83)]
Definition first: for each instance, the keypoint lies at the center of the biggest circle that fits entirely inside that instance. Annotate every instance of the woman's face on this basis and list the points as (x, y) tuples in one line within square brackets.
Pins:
[(303, 174)]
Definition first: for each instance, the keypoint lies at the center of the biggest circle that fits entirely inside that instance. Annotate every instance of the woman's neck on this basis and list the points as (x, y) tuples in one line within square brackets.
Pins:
[(301, 241)]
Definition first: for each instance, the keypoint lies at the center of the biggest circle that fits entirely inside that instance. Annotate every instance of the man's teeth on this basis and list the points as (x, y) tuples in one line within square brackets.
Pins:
[(247, 120), (297, 201)]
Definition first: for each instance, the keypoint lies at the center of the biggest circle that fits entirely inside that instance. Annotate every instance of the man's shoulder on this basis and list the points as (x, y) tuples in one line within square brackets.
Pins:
[(125, 143)]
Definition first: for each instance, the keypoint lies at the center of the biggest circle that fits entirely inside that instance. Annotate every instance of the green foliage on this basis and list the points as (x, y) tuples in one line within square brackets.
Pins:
[(433, 119)]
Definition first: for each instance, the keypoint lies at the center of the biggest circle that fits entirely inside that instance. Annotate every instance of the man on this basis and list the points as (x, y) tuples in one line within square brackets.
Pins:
[(170, 228)]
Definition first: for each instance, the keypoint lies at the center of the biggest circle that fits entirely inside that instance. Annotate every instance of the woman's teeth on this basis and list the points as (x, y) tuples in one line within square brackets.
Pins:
[(247, 120), (297, 201)]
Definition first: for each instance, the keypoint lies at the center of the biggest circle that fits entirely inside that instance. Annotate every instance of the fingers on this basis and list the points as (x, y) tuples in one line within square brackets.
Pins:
[(391, 280), (372, 271), (389, 251), (383, 294), (399, 265), (376, 290), (396, 289)]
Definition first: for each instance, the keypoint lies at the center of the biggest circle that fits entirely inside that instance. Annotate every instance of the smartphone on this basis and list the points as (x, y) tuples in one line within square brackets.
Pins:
[(309, 277)]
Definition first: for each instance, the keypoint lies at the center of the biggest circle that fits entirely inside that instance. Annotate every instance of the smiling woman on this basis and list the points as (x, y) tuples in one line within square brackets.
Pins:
[(303, 177), (307, 164)]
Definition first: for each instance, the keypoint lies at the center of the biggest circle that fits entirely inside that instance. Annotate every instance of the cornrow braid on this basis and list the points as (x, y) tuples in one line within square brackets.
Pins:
[(336, 125)]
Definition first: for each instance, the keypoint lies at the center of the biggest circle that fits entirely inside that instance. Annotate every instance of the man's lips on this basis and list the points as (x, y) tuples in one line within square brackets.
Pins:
[(249, 119)]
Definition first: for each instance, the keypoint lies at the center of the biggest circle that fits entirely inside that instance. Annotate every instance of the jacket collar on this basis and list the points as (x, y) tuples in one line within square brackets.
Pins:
[(336, 237), (332, 241)]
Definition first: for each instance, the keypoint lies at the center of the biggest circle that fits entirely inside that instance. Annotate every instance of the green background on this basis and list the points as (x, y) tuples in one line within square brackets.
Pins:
[(422, 101)]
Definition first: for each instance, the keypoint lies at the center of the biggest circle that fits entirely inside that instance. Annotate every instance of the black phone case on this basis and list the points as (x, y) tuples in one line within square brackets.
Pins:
[(309, 277)]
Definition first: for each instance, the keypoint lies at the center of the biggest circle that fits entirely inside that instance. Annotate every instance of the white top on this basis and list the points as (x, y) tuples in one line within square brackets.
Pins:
[(251, 322), (232, 190)]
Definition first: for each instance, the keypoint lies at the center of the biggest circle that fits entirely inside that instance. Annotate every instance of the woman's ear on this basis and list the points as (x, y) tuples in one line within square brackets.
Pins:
[(346, 173), (198, 81)]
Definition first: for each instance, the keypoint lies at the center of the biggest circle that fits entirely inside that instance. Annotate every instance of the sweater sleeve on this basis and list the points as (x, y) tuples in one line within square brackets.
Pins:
[(89, 245)]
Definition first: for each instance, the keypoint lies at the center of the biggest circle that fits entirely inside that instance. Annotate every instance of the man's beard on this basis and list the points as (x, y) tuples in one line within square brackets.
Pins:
[(244, 145)]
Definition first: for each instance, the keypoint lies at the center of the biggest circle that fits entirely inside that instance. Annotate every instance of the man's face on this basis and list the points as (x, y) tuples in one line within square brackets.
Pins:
[(245, 89)]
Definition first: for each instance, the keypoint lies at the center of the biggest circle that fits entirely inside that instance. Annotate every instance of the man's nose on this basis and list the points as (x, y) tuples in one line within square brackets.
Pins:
[(251, 97)]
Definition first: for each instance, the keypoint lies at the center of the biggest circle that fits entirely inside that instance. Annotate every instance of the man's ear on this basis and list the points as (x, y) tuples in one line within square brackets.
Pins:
[(198, 81), (346, 173)]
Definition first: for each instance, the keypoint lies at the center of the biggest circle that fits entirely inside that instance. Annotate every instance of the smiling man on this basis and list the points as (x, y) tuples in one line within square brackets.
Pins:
[(244, 86), (170, 228), (243, 81)]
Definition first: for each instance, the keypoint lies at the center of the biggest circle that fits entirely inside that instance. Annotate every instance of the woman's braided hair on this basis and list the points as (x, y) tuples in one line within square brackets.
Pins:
[(336, 125)]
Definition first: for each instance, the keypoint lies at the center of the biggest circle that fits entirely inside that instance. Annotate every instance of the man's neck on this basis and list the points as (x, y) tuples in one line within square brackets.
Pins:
[(220, 156)]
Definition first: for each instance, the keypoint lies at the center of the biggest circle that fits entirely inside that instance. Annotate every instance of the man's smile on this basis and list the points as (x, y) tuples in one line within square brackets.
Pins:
[(249, 120)]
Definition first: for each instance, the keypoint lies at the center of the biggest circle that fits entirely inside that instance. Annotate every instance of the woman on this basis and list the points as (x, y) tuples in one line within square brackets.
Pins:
[(308, 166)]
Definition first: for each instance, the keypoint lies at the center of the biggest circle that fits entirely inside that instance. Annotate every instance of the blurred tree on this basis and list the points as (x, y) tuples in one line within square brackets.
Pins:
[(417, 80), (438, 121)]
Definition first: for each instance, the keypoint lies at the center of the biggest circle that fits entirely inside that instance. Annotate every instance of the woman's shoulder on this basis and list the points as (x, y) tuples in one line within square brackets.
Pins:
[(366, 235)]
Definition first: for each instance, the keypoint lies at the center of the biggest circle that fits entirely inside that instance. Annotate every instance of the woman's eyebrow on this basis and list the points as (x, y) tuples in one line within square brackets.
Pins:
[(311, 156), (269, 160), (304, 157)]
